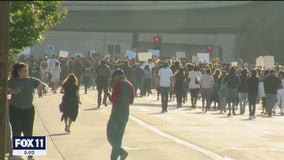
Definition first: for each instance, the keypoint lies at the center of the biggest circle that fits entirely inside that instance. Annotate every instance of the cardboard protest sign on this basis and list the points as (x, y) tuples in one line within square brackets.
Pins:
[(144, 56), (203, 57), (180, 54), (268, 61), (195, 59), (63, 54), (234, 63), (259, 61)]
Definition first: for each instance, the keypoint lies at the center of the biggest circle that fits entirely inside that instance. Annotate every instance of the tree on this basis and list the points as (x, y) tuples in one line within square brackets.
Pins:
[(29, 22)]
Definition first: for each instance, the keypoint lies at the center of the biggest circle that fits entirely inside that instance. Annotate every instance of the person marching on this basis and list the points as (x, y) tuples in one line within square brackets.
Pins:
[(233, 81), (70, 100), (179, 79), (22, 111), (87, 75), (122, 96), (207, 82), (165, 79), (252, 84), (102, 75)]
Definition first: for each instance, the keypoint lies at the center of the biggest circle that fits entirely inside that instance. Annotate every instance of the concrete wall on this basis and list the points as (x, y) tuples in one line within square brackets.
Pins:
[(82, 42)]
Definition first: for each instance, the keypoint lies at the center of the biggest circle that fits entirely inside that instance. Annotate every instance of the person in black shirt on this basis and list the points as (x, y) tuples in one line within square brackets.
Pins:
[(129, 72), (271, 84), (252, 84), (103, 75), (233, 82)]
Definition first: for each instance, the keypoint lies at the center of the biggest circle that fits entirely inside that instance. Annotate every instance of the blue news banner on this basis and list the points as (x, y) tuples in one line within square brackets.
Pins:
[(29, 146)]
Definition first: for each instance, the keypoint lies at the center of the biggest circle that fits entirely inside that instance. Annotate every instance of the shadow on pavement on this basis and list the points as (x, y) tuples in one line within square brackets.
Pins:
[(225, 116), (15, 158), (58, 134), (90, 109), (247, 119), (156, 113), (146, 105), (198, 112), (186, 109)]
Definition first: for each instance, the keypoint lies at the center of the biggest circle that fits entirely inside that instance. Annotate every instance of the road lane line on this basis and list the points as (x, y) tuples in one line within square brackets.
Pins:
[(178, 140), (51, 138)]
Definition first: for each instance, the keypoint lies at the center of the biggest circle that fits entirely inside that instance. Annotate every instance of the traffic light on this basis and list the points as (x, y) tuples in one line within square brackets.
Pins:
[(209, 48), (157, 42)]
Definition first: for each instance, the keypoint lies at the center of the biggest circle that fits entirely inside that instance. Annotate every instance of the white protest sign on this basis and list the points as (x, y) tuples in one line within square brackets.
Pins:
[(234, 63), (154, 52), (180, 54), (259, 61), (26, 52), (195, 59), (268, 61), (144, 56), (130, 54), (203, 57), (49, 49), (63, 54)]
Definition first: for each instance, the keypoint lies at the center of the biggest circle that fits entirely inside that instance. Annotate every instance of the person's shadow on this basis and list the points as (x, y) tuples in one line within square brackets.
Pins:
[(15, 158), (58, 134)]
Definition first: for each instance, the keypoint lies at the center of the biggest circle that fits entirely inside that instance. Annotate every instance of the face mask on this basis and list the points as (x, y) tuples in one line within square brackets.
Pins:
[(23, 75)]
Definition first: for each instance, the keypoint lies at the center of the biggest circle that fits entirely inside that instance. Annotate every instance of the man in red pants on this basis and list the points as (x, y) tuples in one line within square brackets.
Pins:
[(122, 96)]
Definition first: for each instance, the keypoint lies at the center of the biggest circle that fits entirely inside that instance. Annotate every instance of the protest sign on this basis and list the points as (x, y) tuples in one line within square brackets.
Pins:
[(155, 53), (130, 54), (195, 59), (180, 54), (26, 52), (234, 63), (268, 61), (203, 57), (144, 56), (63, 54)]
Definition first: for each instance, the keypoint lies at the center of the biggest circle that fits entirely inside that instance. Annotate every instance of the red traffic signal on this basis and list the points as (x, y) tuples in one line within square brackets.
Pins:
[(157, 39), (209, 48)]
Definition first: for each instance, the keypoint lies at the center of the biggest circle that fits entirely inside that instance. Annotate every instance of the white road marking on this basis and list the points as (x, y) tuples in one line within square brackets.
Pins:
[(266, 132), (253, 149), (132, 148), (211, 154)]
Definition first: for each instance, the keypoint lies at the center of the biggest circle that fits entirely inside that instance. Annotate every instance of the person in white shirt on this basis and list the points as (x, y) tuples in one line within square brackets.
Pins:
[(194, 77), (55, 76), (280, 101), (165, 78), (207, 82)]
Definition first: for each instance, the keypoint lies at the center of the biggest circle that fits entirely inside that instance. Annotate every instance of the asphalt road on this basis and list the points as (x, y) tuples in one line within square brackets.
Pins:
[(179, 134)]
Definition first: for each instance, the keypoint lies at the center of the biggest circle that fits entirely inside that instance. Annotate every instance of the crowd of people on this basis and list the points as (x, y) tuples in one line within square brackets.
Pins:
[(222, 85)]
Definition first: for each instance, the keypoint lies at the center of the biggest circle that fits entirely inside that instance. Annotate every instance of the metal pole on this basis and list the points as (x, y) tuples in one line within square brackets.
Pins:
[(114, 50), (4, 51), (104, 43)]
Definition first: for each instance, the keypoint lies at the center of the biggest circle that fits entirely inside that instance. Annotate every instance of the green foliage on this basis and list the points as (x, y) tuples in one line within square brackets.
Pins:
[(29, 22)]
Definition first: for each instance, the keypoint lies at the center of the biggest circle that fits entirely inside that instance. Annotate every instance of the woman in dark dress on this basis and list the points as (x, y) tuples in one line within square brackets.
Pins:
[(179, 79), (70, 100)]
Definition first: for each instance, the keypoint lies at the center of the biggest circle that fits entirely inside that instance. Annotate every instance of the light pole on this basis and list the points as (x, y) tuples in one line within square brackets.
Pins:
[(4, 51)]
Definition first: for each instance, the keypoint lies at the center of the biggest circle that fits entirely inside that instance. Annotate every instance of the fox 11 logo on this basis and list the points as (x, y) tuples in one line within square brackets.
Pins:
[(29, 146)]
